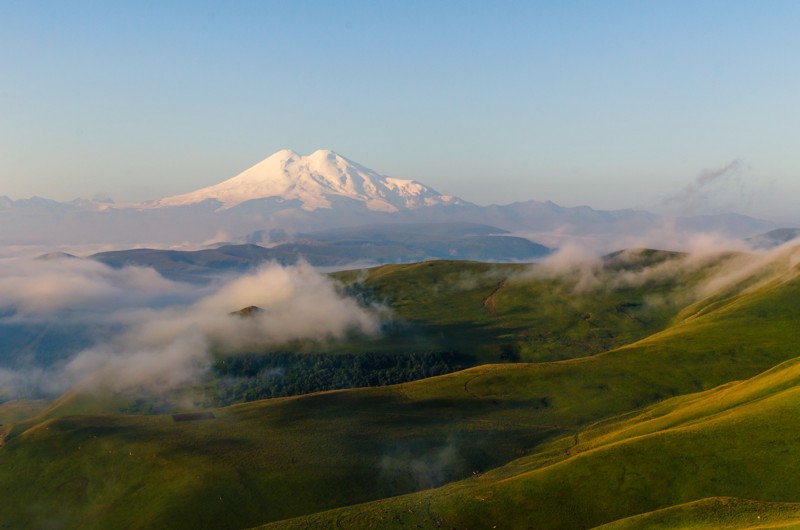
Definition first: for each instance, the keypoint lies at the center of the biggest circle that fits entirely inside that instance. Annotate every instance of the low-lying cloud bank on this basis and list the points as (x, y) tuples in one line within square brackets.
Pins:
[(669, 235), (164, 331), (723, 263)]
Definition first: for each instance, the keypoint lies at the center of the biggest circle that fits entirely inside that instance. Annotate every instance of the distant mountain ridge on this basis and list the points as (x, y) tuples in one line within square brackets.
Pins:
[(774, 238), (293, 194), (374, 245)]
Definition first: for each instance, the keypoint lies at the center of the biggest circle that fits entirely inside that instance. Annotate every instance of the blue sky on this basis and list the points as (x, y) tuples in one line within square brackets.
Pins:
[(610, 104)]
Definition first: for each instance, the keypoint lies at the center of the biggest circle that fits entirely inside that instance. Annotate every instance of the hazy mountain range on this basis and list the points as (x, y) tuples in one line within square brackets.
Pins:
[(373, 244), (289, 193)]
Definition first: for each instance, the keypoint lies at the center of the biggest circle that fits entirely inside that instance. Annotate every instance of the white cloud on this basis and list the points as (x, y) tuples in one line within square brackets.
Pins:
[(168, 329)]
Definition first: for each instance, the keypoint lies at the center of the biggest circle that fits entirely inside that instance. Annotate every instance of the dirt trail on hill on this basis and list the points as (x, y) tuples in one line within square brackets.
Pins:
[(610, 419), (490, 302), (466, 387)]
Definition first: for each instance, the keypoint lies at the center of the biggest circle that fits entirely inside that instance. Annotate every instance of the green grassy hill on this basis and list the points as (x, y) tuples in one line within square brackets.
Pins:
[(494, 311), (572, 443), (716, 513), (727, 457)]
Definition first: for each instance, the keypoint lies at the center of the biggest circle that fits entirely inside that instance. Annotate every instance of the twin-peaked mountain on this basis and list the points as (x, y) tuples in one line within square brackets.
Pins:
[(288, 194), (317, 181)]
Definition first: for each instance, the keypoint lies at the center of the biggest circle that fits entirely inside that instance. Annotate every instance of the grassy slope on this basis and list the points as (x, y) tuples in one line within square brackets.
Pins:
[(14, 412), (690, 461), (18, 410), (737, 440), (716, 513), (268, 461), (255, 462), (484, 309)]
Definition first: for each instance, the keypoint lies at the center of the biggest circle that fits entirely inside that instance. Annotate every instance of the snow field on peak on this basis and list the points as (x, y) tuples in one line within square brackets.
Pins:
[(313, 180)]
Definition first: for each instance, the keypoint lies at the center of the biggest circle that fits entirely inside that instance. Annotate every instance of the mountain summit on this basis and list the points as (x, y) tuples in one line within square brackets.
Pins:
[(315, 180)]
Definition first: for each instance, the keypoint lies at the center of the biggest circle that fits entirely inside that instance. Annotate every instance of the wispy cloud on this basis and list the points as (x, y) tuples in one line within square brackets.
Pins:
[(714, 190), (166, 331)]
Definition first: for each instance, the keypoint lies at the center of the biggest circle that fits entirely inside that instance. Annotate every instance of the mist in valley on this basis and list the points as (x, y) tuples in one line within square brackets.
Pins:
[(144, 333)]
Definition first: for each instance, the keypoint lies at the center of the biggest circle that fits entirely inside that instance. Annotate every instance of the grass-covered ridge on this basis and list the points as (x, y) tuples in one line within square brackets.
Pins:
[(531, 312), (727, 457), (553, 443), (716, 513)]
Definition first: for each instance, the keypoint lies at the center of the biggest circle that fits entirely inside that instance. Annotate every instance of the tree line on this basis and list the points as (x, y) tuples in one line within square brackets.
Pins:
[(253, 376)]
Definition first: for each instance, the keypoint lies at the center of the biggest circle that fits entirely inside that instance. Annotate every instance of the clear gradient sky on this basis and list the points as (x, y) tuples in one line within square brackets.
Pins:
[(607, 103)]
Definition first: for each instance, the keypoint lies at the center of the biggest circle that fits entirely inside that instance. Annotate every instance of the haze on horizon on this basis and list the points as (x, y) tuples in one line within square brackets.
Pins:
[(681, 106)]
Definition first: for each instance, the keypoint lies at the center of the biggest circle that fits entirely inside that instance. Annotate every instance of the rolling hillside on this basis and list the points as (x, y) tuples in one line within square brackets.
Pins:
[(674, 417), (727, 457)]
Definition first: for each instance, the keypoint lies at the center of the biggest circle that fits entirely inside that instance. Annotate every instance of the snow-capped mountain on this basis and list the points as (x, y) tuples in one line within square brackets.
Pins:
[(314, 180), (289, 194)]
